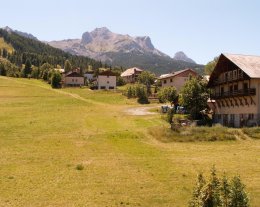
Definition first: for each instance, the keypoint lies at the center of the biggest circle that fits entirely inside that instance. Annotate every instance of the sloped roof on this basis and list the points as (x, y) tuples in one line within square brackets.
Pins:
[(175, 73), (250, 64), (107, 73), (130, 71), (73, 74)]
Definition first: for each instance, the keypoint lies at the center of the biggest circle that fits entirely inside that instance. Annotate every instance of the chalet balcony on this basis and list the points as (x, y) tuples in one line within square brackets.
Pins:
[(236, 93), (229, 79)]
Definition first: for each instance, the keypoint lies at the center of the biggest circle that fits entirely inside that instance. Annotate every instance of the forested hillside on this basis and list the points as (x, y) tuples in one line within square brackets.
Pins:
[(38, 53)]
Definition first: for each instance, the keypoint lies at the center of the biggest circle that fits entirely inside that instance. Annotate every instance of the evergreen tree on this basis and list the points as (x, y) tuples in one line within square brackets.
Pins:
[(238, 195), (67, 66), (219, 194), (27, 68)]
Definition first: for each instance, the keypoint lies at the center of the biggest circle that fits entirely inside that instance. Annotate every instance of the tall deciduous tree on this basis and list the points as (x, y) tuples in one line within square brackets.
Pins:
[(194, 96), (146, 78)]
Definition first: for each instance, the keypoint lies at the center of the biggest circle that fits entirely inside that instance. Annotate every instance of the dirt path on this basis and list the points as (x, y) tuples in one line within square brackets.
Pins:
[(140, 111)]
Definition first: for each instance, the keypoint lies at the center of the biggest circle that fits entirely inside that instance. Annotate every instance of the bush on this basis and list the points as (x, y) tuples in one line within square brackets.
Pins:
[(79, 167), (56, 80), (141, 94), (219, 192), (170, 114), (137, 91), (120, 81), (167, 94)]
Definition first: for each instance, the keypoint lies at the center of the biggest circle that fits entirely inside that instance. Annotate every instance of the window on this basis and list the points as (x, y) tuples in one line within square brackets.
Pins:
[(234, 74), (226, 76), (111, 87), (72, 80), (230, 75), (231, 89), (250, 116), (245, 86), (76, 80), (165, 81), (103, 87), (222, 90), (171, 80), (235, 87), (107, 82), (219, 116)]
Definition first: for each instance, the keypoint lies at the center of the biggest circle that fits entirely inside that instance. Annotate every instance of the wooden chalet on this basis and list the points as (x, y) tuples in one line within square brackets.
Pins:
[(235, 96)]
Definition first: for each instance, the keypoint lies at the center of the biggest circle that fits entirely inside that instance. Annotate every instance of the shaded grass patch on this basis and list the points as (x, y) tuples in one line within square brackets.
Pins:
[(193, 134)]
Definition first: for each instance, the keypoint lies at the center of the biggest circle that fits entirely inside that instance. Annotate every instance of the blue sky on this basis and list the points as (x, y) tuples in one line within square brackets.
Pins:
[(201, 28)]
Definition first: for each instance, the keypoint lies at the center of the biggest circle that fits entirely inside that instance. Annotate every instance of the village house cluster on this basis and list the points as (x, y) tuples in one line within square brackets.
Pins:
[(234, 84)]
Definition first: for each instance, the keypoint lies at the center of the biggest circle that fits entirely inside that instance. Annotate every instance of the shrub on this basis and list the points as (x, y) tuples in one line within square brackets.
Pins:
[(137, 91), (219, 192), (80, 167), (170, 114), (56, 80), (167, 94)]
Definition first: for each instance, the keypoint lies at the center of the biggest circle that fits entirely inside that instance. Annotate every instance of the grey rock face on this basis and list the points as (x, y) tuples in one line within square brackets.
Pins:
[(86, 38), (183, 57)]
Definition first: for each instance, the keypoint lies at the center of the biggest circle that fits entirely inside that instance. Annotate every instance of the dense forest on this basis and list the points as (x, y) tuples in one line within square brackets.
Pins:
[(36, 54)]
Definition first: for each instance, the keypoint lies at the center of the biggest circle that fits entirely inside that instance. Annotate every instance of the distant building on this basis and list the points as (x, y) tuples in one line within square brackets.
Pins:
[(177, 79), (235, 84), (106, 80), (89, 75), (60, 70), (130, 75), (73, 78)]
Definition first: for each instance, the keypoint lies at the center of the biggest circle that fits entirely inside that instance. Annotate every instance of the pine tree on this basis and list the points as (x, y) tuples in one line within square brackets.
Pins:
[(67, 66), (27, 68), (238, 195)]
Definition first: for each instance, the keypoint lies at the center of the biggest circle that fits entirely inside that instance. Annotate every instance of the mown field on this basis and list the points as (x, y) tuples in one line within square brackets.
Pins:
[(46, 133)]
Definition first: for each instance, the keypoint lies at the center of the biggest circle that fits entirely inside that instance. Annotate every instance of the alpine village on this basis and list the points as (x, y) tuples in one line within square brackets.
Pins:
[(124, 124)]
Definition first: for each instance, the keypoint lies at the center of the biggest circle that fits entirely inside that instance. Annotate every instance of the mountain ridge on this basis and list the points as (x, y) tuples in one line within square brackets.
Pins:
[(118, 49)]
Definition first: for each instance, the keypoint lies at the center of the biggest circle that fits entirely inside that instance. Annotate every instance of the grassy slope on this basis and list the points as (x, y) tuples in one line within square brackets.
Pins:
[(45, 133), (4, 45)]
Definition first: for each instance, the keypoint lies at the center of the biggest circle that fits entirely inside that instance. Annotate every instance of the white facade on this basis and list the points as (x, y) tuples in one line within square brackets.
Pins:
[(106, 82)]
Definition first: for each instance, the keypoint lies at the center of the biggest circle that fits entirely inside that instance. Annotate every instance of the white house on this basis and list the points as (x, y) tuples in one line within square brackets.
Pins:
[(106, 80)]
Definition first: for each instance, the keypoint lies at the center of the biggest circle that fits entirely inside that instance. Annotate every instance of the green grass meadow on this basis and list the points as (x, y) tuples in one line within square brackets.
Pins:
[(45, 134)]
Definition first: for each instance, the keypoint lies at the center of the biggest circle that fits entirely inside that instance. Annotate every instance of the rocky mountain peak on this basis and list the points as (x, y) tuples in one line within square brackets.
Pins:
[(145, 42), (101, 32), (183, 57)]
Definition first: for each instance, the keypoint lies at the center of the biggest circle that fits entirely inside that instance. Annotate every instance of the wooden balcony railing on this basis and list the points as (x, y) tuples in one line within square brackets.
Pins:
[(236, 93), (229, 79)]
